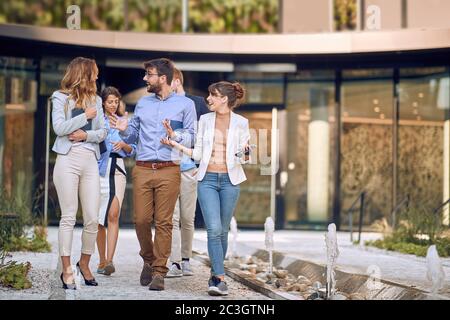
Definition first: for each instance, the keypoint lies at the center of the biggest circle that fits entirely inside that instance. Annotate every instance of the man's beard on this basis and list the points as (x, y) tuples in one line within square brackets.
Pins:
[(154, 88)]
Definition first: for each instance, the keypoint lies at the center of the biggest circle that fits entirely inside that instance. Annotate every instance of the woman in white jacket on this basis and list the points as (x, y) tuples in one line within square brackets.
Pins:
[(220, 147), (77, 119)]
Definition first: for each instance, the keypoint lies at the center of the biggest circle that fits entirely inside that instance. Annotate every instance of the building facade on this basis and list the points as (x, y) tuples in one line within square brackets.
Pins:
[(354, 111)]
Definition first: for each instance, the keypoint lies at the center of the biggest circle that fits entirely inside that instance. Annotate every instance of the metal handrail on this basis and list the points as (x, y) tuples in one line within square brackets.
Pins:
[(442, 205), (404, 202), (361, 197)]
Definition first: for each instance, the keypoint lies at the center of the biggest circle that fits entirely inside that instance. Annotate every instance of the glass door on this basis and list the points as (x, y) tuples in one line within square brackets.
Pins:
[(307, 176)]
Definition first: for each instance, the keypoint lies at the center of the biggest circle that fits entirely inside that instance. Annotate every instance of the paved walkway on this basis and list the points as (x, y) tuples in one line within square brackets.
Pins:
[(122, 285), (400, 268)]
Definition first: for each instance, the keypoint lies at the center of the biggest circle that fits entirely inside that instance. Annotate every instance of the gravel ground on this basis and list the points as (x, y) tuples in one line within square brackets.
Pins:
[(40, 276), (124, 284)]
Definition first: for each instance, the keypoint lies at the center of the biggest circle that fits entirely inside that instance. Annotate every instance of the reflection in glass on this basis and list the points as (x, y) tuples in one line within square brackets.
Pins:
[(262, 88), (254, 201), (18, 93), (423, 169), (310, 147), (366, 142)]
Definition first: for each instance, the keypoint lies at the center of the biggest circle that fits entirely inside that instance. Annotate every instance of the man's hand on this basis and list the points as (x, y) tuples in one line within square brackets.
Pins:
[(170, 133), (78, 136), (120, 124)]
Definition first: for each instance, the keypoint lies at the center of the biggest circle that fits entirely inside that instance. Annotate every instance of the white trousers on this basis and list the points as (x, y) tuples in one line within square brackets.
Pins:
[(184, 216), (76, 176)]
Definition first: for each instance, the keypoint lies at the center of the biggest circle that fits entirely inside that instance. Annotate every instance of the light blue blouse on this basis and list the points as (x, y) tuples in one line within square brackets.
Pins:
[(113, 136)]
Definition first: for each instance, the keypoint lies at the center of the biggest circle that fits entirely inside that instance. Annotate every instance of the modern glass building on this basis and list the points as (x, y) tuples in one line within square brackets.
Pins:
[(355, 112)]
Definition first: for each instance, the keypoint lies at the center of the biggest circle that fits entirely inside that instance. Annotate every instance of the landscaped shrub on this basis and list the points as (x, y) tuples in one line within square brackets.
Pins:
[(13, 274), (13, 218), (15, 221), (37, 243), (417, 229)]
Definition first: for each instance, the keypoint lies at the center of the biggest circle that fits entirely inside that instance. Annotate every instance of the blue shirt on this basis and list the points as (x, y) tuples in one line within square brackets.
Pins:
[(113, 136), (146, 129)]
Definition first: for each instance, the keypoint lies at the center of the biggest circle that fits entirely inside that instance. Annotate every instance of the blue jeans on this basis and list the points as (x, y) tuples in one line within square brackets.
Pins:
[(218, 199)]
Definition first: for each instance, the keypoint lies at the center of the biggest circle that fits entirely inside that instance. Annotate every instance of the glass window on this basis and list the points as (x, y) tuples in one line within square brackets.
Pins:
[(254, 202), (423, 142), (262, 88), (366, 141), (18, 103)]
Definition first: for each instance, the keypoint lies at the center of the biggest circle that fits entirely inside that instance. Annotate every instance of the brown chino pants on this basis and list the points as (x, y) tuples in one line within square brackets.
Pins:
[(155, 193)]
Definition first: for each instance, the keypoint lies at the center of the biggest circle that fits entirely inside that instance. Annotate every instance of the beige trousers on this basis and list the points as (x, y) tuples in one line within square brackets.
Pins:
[(155, 193), (184, 216), (76, 176)]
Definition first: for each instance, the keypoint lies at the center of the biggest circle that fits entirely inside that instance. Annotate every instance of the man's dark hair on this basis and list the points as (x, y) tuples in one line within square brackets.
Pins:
[(163, 66)]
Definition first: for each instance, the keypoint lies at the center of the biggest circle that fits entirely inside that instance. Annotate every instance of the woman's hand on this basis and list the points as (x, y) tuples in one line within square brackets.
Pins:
[(118, 145), (168, 142), (90, 112), (172, 143), (78, 135), (169, 130)]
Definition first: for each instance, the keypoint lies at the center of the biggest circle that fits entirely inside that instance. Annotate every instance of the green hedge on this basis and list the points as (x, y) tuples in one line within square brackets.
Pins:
[(205, 16), (419, 248), (208, 16)]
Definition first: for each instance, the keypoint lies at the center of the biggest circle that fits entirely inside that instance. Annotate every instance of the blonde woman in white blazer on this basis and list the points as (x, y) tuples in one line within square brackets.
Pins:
[(77, 119), (220, 147)]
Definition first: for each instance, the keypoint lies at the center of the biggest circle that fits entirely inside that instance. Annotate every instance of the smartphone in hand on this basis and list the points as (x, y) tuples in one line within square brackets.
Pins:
[(241, 153)]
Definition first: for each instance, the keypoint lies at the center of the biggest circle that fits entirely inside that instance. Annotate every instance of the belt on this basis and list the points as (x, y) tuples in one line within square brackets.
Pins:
[(156, 165), (115, 155)]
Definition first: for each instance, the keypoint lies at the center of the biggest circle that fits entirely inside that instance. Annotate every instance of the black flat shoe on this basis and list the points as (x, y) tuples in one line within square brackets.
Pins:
[(69, 286), (90, 282)]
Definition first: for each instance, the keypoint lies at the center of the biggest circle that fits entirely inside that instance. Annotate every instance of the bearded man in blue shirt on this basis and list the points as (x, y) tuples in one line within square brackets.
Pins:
[(156, 176)]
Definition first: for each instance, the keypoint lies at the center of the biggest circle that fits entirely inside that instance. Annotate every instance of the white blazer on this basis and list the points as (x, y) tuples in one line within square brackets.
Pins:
[(238, 136), (63, 124)]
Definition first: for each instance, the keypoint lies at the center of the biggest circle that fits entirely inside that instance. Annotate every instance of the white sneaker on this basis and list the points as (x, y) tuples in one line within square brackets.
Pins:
[(217, 287), (174, 272), (186, 268)]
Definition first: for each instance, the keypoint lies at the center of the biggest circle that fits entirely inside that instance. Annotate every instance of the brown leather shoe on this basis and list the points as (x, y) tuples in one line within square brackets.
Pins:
[(157, 282), (146, 275)]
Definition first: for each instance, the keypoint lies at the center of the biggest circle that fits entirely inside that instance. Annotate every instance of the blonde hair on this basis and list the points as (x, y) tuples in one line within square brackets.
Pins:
[(79, 81)]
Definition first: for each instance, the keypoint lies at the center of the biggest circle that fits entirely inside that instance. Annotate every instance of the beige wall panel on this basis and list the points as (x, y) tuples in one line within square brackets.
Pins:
[(428, 13), (304, 16)]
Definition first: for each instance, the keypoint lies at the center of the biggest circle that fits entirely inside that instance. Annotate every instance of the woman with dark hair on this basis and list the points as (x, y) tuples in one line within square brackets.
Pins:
[(77, 119), (113, 182), (221, 147)]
